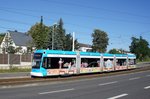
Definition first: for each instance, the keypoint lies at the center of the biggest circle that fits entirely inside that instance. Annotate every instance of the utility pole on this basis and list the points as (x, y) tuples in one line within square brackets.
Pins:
[(53, 38), (73, 41)]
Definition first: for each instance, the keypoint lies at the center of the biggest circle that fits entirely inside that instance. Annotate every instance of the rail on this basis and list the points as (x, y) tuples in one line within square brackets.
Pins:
[(28, 80)]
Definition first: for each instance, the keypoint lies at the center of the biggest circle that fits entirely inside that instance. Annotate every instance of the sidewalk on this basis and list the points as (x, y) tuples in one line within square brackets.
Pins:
[(14, 75)]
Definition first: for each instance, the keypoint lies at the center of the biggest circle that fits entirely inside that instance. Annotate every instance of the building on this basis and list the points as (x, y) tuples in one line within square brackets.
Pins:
[(17, 40), (22, 41), (84, 47)]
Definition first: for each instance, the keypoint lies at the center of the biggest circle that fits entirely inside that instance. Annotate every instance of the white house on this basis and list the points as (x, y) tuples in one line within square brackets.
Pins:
[(17, 40), (84, 47)]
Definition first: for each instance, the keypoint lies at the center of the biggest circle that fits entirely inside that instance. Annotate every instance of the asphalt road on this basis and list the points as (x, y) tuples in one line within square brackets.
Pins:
[(127, 86)]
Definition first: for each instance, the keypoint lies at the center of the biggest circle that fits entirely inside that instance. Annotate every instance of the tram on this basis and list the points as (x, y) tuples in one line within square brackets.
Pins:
[(56, 62)]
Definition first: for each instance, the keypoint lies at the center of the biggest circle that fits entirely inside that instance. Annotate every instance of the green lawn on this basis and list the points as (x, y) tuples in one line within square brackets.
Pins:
[(15, 69)]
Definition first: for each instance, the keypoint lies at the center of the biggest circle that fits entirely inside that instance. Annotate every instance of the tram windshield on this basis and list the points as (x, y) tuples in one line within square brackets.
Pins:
[(36, 60)]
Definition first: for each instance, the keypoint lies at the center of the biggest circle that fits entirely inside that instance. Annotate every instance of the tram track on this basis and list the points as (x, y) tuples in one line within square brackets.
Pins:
[(28, 80)]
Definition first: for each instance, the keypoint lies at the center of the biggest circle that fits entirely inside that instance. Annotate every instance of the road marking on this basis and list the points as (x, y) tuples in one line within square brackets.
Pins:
[(147, 87), (27, 85), (134, 78), (57, 91), (118, 96), (108, 83)]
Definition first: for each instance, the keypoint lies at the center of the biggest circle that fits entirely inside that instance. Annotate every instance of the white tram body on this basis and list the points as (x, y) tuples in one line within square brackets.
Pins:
[(55, 62)]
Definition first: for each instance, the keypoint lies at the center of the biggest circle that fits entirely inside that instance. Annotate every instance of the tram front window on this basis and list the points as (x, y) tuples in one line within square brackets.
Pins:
[(36, 60), (36, 64)]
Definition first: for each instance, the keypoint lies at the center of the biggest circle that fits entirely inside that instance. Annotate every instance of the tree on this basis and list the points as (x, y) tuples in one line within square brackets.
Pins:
[(52, 37), (11, 50), (39, 32), (8, 44), (100, 41), (62, 34), (139, 46), (2, 37), (61, 40), (76, 43), (29, 49), (59, 35), (18, 50), (114, 51), (117, 51), (68, 42), (49, 40)]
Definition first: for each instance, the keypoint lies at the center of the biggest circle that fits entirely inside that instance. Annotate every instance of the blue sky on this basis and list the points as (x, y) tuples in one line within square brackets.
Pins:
[(121, 19)]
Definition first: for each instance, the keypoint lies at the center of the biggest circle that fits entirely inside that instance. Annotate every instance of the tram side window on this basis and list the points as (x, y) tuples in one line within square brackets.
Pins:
[(68, 62), (108, 62), (90, 62), (50, 63), (121, 62), (56, 63)]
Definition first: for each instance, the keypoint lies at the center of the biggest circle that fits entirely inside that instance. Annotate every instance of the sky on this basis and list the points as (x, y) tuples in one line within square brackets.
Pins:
[(120, 19)]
